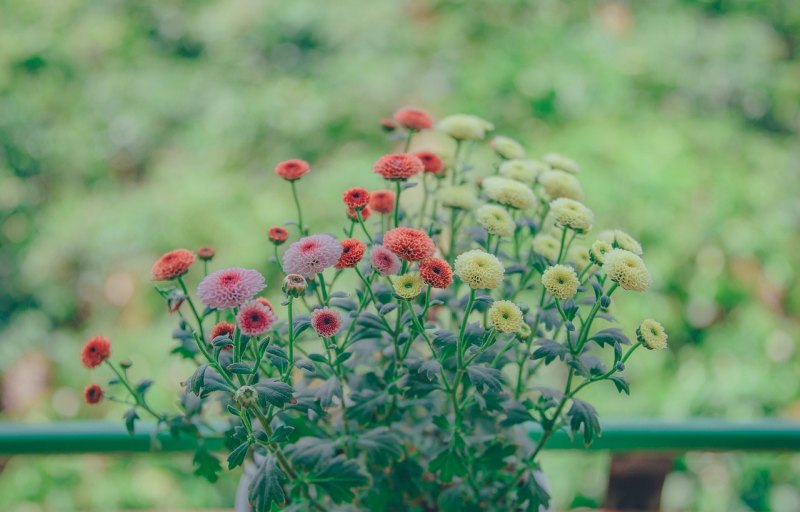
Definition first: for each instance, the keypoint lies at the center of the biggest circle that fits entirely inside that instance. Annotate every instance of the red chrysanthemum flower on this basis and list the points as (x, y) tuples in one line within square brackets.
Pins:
[(206, 253), (436, 272), (356, 198), (254, 318), (93, 394), (382, 201), (223, 329), (267, 304), (277, 235), (398, 166), (95, 351), (388, 125), (326, 322), (413, 118), (365, 213), (409, 243), (432, 162), (352, 252), (293, 169), (172, 265)]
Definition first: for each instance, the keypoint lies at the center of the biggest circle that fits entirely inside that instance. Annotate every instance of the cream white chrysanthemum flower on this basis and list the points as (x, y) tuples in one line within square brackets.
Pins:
[(562, 163), (408, 286), (561, 281), (524, 331), (571, 214), (652, 335), (561, 184), (465, 127), (459, 197), (509, 192), (506, 147), (621, 239), (524, 171), (505, 316), (547, 245), (479, 269), (626, 269), (496, 220), (579, 256), (598, 251)]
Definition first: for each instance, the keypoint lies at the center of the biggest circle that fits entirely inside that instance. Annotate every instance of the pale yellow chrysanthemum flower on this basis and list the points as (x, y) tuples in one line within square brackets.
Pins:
[(465, 127), (561, 281), (598, 251), (524, 331), (579, 256), (509, 192), (561, 184), (626, 269), (505, 316), (652, 335), (408, 286), (524, 171), (506, 147), (459, 197), (479, 269), (496, 220), (571, 214), (562, 163), (547, 245), (621, 239)]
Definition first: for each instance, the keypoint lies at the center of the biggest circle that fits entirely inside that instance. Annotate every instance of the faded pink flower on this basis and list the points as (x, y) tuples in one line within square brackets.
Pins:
[(326, 322), (255, 318), (384, 261), (230, 287), (311, 255)]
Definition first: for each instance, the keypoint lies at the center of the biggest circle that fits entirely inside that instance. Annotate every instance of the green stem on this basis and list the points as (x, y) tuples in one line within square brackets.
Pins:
[(140, 400), (194, 309), (323, 289), (363, 226), (561, 248), (288, 376), (299, 209), (408, 141), (398, 190)]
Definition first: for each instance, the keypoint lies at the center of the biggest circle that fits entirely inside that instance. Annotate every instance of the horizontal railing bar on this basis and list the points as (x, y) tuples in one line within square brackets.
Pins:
[(618, 436)]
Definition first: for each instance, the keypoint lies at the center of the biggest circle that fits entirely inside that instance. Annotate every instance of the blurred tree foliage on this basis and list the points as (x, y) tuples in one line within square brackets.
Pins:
[(131, 128)]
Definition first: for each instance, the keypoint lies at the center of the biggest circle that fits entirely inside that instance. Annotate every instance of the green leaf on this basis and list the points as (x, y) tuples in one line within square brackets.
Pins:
[(237, 456), (344, 356), (206, 465), (448, 463), (533, 494), (368, 405), (516, 413), (281, 434), (583, 415), (240, 368), (549, 350), (382, 446), (430, 369), (273, 391), (493, 457), (277, 356), (338, 477), (195, 382), (143, 386), (621, 384), (326, 391), (130, 418), (265, 489), (610, 336), (484, 377), (309, 451)]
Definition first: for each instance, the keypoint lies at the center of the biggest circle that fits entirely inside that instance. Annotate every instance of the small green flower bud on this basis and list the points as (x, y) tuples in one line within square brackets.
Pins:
[(605, 301), (570, 326), (294, 285), (246, 396)]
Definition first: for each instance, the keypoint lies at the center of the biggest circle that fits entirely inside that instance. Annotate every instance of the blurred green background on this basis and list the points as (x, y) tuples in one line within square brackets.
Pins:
[(131, 128)]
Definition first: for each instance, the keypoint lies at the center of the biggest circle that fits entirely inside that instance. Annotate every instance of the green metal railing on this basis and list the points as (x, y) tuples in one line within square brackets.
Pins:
[(618, 436)]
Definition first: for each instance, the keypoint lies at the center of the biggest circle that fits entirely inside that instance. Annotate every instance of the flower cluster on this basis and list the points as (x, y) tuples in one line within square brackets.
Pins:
[(410, 345)]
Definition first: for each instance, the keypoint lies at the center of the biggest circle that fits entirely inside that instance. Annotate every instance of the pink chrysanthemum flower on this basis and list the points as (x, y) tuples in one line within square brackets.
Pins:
[(230, 287), (432, 162), (254, 318), (398, 166), (326, 322), (382, 201), (352, 252), (356, 198), (388, 125), (409, 243), (413, 118), (172, 265), (277, 235), (353, 214), (384, 261), (95, 351), (311, 255), (206, 253), (291, 170), (93, 394)]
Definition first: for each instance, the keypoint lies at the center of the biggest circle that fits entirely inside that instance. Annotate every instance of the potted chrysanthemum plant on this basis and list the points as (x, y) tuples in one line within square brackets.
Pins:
[(398, 370)]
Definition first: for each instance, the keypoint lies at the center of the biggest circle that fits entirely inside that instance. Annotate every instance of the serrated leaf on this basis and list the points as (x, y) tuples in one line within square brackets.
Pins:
[(516, 413), (206, 465), (582, 416), (338, 477), (281, 434), (382, 446), (448, 464), (265, 488), (277, 356), (621, 384), (237, 456), (610, 336), (308, 451), (273, 391), (326, 391), (371, 321), (549, 350), (430, 369), (533, 494), (485, 378)]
